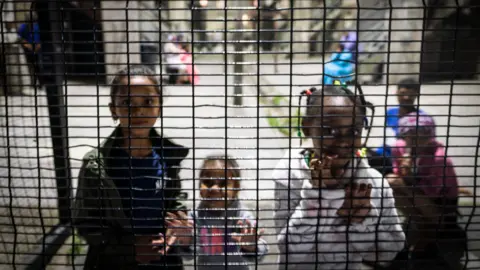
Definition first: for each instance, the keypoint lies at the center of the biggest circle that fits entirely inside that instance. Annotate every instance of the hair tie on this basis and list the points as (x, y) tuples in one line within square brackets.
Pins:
[(308, 156), (361, 153), (340, 83), (307, 92)]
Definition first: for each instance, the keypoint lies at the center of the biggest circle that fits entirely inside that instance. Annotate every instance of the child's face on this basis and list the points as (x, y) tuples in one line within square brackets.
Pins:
[(339, 134), (215, 187), (416, 140), (406, 97), (140, 110)]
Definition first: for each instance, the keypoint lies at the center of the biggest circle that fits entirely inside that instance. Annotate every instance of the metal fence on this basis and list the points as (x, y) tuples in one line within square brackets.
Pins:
[(281, 87)]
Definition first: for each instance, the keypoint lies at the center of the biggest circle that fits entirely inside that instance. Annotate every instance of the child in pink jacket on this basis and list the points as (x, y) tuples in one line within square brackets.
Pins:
[(419, 157), (426, 191)]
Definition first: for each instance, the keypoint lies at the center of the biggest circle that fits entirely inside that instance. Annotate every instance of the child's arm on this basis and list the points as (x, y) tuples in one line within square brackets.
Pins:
[(442, 178), (287, 193), (174, 202), (299, 234), (247, 217), (188, 253), (379, 237), (383, 221), (179, 236), (411, 197), (288, 185), (88, 214)]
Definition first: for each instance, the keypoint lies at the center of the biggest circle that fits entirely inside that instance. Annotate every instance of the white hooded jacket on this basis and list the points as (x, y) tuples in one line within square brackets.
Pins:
[(310, 233)]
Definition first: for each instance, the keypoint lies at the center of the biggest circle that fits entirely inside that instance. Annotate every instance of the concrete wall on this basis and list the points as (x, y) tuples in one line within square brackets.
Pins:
[(17, 74), (302, 16), (393, 35), (447, 7), (406, 40), (121, 46), (403, 41), (181, 14)]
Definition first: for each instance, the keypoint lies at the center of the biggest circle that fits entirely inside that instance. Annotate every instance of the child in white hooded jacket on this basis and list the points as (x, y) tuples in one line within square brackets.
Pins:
[(332, 211)]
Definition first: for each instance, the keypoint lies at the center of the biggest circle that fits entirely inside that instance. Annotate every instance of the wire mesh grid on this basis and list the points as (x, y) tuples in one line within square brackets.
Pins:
[(229, 75)]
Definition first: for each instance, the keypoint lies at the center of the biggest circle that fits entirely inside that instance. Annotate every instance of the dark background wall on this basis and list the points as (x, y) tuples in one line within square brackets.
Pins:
[(450, 48)]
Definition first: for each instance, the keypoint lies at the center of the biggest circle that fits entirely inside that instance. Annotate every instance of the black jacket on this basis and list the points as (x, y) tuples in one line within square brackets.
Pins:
[(98, 215)]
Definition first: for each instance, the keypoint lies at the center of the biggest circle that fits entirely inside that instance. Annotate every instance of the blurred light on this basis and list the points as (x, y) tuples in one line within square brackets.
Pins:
[(245, 19), (203, 3)]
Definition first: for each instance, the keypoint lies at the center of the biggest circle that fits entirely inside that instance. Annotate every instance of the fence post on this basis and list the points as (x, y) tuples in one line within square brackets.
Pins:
[(238, 60), (50, 23)]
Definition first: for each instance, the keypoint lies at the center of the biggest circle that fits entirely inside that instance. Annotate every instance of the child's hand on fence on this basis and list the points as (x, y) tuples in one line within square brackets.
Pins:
[(179, 230), (27, 46), (247, 238), (356, 205), (163, 244), (181, 225), (321, 173)]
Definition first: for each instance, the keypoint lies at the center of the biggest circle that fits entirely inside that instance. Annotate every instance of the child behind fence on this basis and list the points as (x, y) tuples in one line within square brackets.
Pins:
[(226, 233), (426, 189), (332, 210), (129, 185)]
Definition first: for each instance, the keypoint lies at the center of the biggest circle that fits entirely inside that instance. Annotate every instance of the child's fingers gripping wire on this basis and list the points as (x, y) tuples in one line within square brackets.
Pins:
[(178, 231), (357, 203), (321, 171), (248, 236), (164, 243), (181, 226)]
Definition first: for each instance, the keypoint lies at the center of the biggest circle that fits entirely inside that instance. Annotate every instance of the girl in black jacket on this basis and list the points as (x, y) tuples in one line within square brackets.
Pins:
[(129, 185)]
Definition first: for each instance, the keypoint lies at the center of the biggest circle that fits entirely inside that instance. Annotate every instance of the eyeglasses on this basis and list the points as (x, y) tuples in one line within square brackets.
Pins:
[(329, 132)]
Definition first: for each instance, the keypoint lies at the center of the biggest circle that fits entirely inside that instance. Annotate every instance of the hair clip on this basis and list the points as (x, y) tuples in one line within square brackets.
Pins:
[(340, 83), (361, 153), (308, 92), (308, 156), (299, 133)]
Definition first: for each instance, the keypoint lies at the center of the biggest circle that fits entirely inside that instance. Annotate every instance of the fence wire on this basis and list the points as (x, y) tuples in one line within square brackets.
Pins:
[(269, 134)]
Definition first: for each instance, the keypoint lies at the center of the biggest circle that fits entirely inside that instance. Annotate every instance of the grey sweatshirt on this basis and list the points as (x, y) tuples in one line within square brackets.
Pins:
[(213, 231), (310, 233)]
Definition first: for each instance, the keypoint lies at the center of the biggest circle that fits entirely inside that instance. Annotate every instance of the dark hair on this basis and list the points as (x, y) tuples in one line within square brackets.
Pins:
[(315, 99), (230, 165), (131, 71), (409, 83), (31, 17)]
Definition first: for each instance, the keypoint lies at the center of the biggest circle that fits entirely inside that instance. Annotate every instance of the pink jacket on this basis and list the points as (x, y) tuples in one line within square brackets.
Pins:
[(435, 174), (186, 59)]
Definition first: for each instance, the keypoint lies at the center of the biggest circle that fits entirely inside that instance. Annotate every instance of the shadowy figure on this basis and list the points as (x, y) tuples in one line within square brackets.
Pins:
[(29, 37)]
